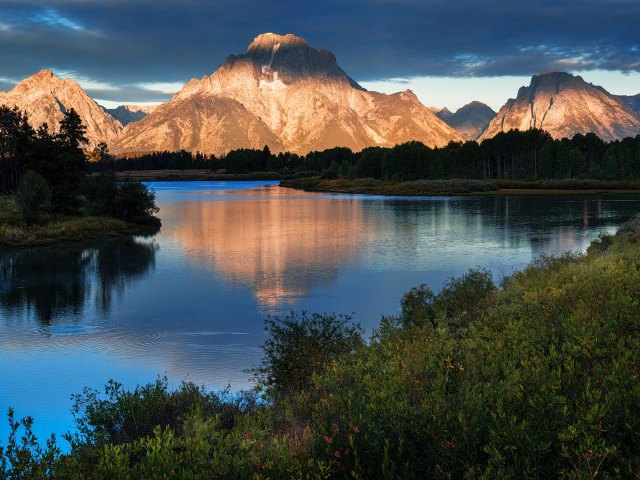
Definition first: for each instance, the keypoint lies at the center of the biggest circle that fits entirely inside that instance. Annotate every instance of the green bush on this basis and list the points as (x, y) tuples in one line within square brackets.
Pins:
[(33, 197), (299, 346), (134, 199), (121, 416), (23, 457)]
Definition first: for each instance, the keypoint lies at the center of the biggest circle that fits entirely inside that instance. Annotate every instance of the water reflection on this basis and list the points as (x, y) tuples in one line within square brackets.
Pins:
[(56, 282), (190, 302), (281, 247)]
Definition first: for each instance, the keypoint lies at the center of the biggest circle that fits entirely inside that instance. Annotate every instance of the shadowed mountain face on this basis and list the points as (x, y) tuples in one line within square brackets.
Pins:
[(470, 121), (633, 101), (45, 98), (127, 114), (289, 96), (564, 105)]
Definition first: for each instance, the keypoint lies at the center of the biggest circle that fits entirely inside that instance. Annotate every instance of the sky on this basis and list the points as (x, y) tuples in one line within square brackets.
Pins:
[(449, 52)]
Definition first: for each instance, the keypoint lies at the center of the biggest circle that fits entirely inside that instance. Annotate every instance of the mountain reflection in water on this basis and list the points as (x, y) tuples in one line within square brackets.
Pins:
[(280, 247)]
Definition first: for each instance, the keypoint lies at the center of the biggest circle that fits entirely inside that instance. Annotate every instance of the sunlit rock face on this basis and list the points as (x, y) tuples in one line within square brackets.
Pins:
[(45, 98), (289, 96), (126, 114), (564, 105), (281, 248), (470, 121)]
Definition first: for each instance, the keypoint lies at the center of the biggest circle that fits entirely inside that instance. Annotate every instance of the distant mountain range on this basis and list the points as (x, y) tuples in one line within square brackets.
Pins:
[(469, 121), (126, 114), (286, 94)]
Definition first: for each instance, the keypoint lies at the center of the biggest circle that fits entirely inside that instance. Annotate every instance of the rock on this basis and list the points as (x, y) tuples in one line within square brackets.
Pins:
[(564, 105), (45, 98), (289, 96)]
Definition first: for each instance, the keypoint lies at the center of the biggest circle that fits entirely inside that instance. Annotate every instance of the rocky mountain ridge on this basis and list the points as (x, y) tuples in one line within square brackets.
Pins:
[(564, 105), (289, 96), (45, 98)]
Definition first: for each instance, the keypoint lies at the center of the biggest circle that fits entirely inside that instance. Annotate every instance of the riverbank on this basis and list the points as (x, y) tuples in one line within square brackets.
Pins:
[(59, 228), (370, 186)]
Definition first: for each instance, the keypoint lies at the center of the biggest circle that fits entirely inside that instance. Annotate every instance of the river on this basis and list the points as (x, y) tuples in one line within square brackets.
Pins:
[(190, 301)]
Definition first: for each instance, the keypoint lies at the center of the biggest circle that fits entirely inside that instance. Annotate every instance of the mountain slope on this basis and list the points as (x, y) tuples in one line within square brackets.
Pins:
[(564, 105), (44, 97), (633, 101), (126, 114), (295, 97), (470, 121)]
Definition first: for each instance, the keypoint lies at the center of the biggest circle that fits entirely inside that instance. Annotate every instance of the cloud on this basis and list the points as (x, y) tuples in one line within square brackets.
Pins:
[(168, 88), (144, 42), (85, 82), (52, 18)]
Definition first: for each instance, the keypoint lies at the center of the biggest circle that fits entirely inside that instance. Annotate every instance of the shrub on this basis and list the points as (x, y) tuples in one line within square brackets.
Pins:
[(33, 197), (123, 416), (133, 199), (23, 457), (299, 346), (460, 300)]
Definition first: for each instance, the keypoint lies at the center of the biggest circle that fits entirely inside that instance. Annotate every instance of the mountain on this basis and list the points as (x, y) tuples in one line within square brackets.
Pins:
[(470, 120), (126, 114), (44, 97), (633, 101), (564, 105), (289, 96)]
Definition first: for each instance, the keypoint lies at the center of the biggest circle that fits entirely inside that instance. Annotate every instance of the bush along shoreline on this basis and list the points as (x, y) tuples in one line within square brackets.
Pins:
[(535, 377), (46, 195)]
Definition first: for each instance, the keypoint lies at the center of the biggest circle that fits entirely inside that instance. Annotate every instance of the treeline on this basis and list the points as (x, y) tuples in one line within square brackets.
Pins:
[(538, 377), (46, 173), (530, 154)]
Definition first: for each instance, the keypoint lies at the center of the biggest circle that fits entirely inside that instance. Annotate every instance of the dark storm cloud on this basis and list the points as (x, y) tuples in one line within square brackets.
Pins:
[(121, 44)]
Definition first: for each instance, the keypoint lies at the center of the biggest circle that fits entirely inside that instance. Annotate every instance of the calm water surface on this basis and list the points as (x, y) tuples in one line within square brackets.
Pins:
[(189, 302)]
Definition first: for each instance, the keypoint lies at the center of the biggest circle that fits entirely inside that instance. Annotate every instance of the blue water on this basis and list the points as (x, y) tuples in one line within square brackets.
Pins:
[(190, 301)]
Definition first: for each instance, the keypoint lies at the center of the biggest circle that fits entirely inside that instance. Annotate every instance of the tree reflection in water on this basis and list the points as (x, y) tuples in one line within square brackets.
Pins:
[(57, 281)]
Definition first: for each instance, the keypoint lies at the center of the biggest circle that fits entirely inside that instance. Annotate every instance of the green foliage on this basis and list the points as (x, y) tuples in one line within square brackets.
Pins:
[(127, 200), (543, 383), (33, 197), (23, 457), (461, 300), (122, 416), (299, 346), (134, 199)]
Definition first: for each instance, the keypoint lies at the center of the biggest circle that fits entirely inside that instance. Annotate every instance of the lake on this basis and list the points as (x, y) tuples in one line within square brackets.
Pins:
[(190, 301)]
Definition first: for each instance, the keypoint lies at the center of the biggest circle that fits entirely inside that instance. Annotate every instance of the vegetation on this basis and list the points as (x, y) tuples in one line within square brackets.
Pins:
[(538, 377), (46, 193), (515, 155)]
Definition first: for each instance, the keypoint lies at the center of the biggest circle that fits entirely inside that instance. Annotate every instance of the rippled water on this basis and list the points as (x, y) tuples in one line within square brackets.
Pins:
[(189, 302)]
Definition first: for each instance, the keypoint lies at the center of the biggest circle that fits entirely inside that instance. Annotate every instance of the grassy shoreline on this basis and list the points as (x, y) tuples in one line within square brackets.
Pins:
[(72, 229), (63, 228), (370, 186)]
